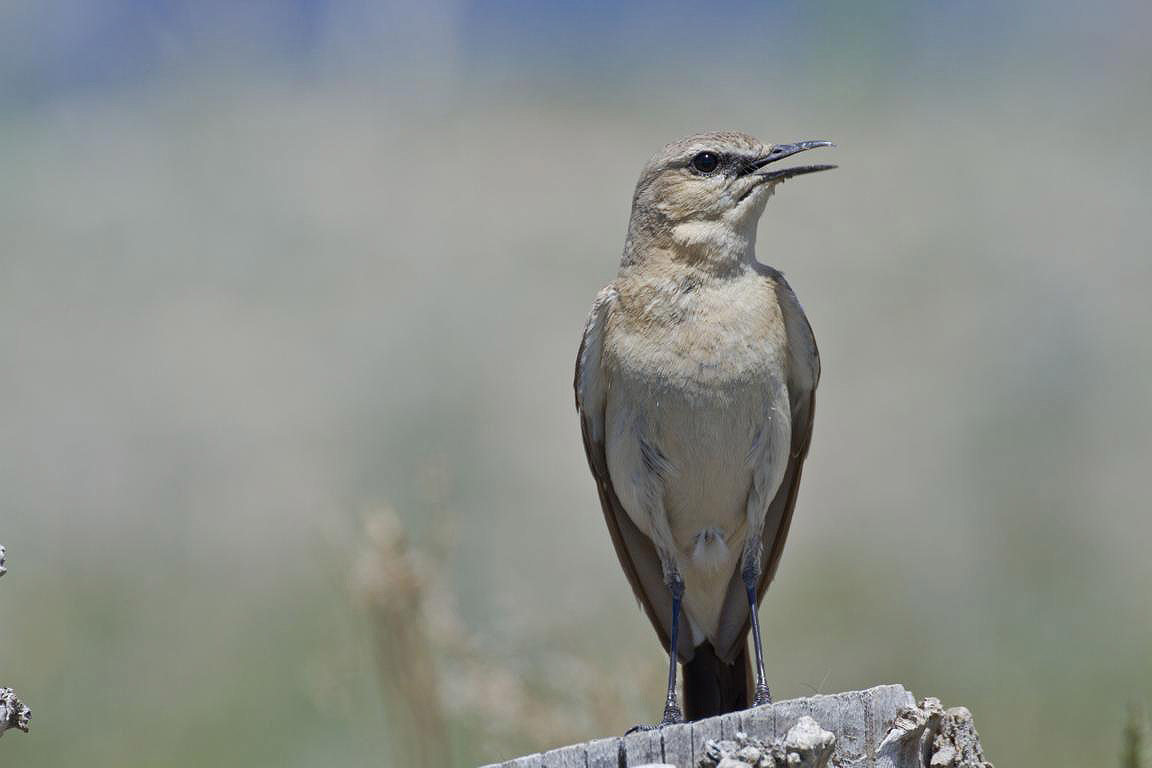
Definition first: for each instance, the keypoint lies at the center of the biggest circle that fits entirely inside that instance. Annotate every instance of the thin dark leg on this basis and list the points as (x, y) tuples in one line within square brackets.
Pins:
[(672, 713), (763, 695)]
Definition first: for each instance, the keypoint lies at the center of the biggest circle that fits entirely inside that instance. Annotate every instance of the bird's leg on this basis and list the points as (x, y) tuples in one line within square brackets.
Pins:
[(672, 712), (751, 576)]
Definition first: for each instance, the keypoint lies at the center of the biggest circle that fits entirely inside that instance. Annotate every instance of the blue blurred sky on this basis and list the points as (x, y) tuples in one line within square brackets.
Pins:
[(54, 47)]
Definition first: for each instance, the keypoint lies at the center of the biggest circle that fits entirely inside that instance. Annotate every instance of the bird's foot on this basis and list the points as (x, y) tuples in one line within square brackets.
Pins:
[(672, 716), (763, 695)]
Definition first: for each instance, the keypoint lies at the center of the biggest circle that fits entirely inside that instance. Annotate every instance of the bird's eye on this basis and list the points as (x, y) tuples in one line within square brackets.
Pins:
[(705, 162)]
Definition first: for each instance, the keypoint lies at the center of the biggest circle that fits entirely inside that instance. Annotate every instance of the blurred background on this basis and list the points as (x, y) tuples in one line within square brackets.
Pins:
[(290, 294)]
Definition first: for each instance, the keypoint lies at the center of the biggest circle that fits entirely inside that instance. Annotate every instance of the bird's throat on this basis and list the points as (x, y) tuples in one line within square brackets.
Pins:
[(715, 243)]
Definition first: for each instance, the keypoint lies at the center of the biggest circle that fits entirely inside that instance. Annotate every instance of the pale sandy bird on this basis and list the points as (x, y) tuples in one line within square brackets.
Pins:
[(695, 385)]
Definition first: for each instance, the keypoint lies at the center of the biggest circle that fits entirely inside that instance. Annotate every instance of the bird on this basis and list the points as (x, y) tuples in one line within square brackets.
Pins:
[(695, 387)]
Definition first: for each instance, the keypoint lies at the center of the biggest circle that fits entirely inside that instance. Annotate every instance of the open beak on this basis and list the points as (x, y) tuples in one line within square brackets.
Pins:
[(781, 151)]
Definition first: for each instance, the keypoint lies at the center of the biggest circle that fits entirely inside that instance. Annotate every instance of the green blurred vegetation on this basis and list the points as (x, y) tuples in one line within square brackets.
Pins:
[(239, 309)]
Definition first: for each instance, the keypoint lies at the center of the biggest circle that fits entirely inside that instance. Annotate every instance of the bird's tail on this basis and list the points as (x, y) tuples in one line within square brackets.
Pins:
[(713, 686)]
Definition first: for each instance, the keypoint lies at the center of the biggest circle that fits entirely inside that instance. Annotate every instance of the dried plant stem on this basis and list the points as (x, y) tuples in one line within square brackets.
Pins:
[(1136, 751), (389, 582)]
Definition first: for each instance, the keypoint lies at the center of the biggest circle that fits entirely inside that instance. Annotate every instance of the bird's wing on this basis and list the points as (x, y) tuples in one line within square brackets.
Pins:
[(635, 550), (734, 623), (803, 402), (784, 502)]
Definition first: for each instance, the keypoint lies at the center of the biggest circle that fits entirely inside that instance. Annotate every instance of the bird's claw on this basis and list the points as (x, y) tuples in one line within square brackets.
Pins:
[(672, 716)]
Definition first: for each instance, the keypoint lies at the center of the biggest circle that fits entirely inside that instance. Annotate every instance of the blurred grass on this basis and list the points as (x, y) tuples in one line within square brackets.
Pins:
[(236, 311)]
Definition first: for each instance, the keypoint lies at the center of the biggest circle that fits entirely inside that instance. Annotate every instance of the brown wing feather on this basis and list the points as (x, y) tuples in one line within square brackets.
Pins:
[(789, 490), (626, 539), (635, 551)]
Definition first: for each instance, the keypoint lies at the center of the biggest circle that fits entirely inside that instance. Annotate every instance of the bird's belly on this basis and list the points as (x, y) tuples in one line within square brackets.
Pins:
[(702, 437), (706, 442), (706, 497)]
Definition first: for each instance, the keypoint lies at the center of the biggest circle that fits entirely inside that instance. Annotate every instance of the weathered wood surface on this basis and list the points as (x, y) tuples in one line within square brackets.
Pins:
[(861, 722), (13, 713)]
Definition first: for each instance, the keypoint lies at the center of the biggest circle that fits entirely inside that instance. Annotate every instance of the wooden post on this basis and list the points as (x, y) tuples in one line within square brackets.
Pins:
[(881, 727), (13, 713)]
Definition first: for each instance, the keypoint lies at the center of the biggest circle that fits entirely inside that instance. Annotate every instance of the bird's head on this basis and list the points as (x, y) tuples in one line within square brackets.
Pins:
[(706, 192)]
